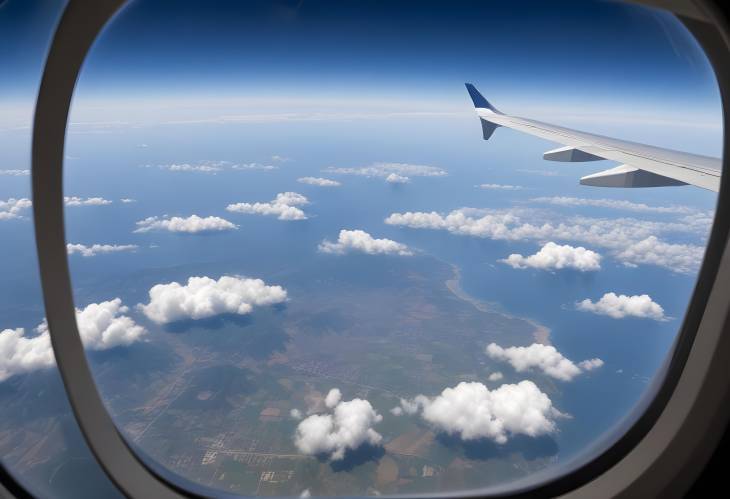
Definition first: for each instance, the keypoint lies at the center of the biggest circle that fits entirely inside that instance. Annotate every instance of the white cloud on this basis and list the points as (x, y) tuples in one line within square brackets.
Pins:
[(334, 396), (128, 200), (319, 181), (359, 240), (614, 204), (253, 166), (472, 411), (621, 306), (204, 297), (620, 235), (15, 173), (555, 257), (284, 206), (21, 354), (397, 411), (496, 376), (96, 249), (13, 208), (201, 167), (500, 187), (280, 159), (191, 225), (305, 493), (350, 426), (590, 364), (103, 326), (391, 172), (295, 414), (77, 201), (545, 358), (394, 178)]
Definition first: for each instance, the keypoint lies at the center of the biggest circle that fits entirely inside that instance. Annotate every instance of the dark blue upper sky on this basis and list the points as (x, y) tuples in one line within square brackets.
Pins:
[(574, 50)]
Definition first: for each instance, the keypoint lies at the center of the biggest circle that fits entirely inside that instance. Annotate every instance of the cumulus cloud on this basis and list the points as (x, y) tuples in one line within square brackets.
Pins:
[(347, 428), (283, 206), (500, 187), (394, 178), (590, 364), (616, 204), (77, 201), (13, 208), (556, 257), (253, 166), (103, 325), (190, 225), (334, 396), (496, 376), (15, 173), (472, 411), (621, 306), (21, 354), (96, 249), (545, 358), (359, 240), (203, 297), (128, 200), (295, 414), (391, 172), (620, 235), (319, 181), (200, 167)]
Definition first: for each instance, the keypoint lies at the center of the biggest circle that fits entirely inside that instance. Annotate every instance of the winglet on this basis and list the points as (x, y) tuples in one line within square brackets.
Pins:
[(478, 99)]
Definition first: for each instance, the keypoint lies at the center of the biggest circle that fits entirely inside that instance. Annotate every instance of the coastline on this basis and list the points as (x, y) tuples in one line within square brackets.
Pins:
[(541, 334)]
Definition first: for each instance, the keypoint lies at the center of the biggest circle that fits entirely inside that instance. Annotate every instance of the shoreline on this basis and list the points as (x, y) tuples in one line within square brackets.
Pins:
[(541, 334)]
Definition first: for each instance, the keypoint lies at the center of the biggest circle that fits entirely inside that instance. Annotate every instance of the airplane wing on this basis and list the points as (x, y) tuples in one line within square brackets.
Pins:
[(641, 165)]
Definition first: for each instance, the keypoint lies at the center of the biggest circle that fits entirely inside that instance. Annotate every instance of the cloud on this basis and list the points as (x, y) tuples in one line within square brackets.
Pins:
[(590, 364), (321, 182), (20, 354), (203, 297), (496, 376), (128, 200), (615, 204), (13, 208), (96, 249), (621, 306), (284, 206), (254, 166), (190, 225), (350, 426), (200, 167), (555, 257), (77, 201), (103, 326), (394, 178), (545, 358), (295, 414), (15, 173), (359, 240), (391, 172), (397, 411), (334, 396), (619, 235), (498, 187), (280, 159), (472, 411)]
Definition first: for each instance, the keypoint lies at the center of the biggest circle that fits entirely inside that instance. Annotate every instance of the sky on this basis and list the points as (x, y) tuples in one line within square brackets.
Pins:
[(343, 130)]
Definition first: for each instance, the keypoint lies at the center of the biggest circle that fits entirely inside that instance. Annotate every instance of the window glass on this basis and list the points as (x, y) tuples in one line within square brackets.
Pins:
[(299, 268), (40, 442)]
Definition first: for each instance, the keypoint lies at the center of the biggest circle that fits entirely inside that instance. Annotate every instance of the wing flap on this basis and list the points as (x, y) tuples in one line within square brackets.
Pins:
[(628, 176)]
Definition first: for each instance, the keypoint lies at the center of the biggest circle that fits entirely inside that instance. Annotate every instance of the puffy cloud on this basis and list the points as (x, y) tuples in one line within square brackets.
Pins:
[(191, 225), (21, 354), (614, 204), (397, 411), (590, 364), (391, 172), (500, 187), (254, 166), (496, 376), (620, 235), (201, 167), (546, 358), (472, 411), (295, 414), (204, 297), (334, 396), (77, 201), (128, 200), (15, 173), (284, 206), (394, 178), (359, 240), (350, 426), (620, 306), (96, 249), (103, 326), (319, 181), (13, 208), (555, 257)]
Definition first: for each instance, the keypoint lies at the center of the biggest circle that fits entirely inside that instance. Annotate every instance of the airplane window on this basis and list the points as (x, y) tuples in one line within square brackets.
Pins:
[(359, 248), (40, 442)]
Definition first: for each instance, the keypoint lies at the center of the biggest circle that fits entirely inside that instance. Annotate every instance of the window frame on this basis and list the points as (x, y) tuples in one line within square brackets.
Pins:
[(661, 453)]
